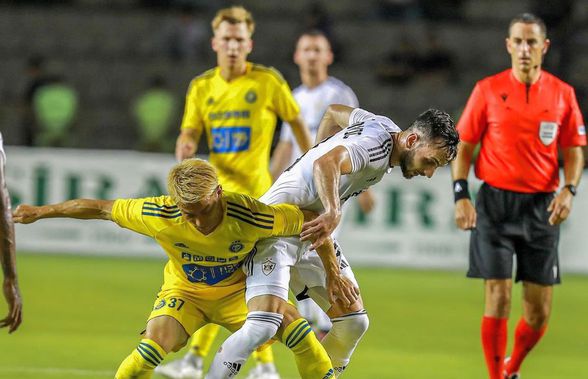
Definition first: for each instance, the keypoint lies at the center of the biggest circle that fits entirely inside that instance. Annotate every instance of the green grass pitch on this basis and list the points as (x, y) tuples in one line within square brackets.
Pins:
[(82, 316)]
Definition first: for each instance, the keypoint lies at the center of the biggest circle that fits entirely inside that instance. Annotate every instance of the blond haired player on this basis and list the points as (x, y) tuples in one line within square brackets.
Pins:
[(207, 234), (237, 103)]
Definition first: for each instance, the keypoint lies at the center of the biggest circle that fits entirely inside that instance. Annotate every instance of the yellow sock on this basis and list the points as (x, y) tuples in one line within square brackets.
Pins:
[(141, 362), (263, 355), (203, 338), (311, 358)]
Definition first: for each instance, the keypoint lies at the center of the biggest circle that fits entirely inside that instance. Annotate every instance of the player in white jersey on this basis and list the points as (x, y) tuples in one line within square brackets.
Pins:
[(341, 166), (7, 254), (318, 90)]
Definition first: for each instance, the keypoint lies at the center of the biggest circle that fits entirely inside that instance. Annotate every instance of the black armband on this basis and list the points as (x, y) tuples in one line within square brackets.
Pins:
[(460, 190)]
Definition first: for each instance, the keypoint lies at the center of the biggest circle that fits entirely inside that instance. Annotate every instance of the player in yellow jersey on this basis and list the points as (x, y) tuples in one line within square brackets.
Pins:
[(207, 234), (236, 104)]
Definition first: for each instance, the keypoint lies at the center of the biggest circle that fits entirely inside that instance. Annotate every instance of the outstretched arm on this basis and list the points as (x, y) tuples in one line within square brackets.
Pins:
[(86, 209), (335, 118), (8, 260)]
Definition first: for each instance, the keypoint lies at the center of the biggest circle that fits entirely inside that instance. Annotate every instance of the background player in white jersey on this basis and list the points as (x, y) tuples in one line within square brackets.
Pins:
[(341, 166), (318, 90)]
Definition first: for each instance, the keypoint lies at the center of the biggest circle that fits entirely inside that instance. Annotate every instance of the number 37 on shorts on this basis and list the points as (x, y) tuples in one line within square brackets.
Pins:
[(170, 302)]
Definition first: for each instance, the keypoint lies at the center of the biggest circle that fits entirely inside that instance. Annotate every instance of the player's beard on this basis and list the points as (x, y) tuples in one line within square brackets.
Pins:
[(406, 157)]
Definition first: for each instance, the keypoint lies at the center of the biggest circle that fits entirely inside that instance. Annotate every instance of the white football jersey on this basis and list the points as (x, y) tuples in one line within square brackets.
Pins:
[(368, 140), (313, 103)]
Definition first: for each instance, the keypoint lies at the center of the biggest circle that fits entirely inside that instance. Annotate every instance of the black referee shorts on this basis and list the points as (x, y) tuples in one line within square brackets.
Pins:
[(514, 224)]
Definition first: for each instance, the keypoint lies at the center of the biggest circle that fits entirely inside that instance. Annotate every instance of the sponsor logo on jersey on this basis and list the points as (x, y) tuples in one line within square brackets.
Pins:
[(236, 246), (268, 266), (547, 132), (159, 305), (250, 96), (231, 139), (210, 275)]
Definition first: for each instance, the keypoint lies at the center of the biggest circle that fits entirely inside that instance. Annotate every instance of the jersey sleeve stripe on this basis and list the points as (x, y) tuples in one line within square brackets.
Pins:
[(161, 205), (249, 221), (249, 210), (382, 146), (377, 158), (161, 215), (172, 211), (250, 216)]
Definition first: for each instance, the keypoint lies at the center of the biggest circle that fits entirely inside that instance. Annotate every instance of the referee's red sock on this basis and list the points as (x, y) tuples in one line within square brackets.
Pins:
[(494, 344), (525, 339)]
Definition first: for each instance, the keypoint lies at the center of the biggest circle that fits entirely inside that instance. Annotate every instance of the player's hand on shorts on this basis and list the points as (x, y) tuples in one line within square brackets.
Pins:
[(465, 214), (340, 288), (14, 301), (320, 229), (560, 207), (26, 214), (185, 148)]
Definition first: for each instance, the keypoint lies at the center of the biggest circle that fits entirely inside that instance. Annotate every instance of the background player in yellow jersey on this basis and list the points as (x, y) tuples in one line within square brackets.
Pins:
[(207, 234), (237, 104)]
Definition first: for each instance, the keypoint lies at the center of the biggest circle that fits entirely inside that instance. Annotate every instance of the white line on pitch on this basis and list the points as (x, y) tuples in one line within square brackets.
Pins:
[(57, 371)]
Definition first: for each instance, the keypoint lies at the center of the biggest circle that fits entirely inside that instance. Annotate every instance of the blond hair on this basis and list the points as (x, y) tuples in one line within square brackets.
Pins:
[(191, 181), (234, 15)]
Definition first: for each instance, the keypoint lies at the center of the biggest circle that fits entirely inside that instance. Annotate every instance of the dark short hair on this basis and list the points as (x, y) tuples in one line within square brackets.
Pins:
[(529, 18), (437, 127), (314, 33)]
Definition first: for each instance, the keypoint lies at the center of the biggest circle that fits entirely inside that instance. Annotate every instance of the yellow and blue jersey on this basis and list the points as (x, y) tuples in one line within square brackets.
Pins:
[(207, 265), (239, 118)]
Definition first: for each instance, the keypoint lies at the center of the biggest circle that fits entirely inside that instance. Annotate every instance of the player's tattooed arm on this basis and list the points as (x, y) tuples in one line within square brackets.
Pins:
[(85, 209), (8, 261), (335, 118), (327, 171)]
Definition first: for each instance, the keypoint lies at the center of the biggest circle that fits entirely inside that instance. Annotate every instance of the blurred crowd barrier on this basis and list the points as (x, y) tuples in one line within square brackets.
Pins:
[(411, 226)]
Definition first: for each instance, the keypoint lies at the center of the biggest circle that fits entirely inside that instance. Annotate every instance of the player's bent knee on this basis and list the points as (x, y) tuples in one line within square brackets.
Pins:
[(261, 326), (357, 324)]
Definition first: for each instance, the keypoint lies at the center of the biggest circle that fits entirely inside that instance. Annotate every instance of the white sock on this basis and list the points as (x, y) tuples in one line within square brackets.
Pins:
[(258, 329), (343, 337)]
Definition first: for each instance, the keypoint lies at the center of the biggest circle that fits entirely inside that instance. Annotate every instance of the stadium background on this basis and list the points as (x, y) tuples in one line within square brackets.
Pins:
[(83, 310)]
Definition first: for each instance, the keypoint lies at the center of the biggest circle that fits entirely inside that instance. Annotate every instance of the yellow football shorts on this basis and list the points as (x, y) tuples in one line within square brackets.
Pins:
[(193, 312)]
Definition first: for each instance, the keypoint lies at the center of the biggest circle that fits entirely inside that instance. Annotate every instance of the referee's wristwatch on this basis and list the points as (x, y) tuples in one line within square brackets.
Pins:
[(571, 188)]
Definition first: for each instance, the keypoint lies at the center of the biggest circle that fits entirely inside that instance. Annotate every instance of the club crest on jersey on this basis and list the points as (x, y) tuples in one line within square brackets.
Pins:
[(250, 96), (236, 246), (547, 132), (159, 305), (268, 266)]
